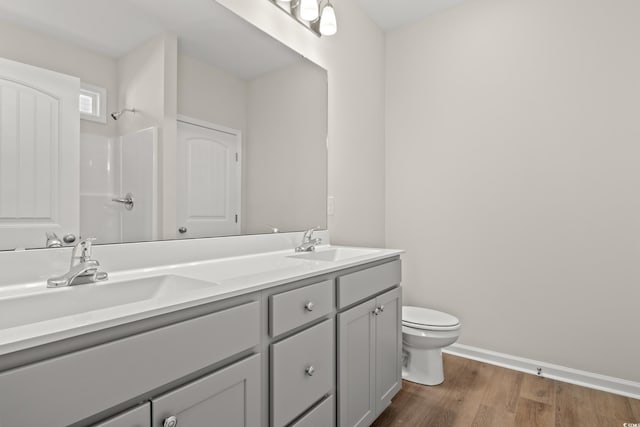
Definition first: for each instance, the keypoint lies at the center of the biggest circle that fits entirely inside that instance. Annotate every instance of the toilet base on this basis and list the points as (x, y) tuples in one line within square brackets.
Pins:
[(423, 366)]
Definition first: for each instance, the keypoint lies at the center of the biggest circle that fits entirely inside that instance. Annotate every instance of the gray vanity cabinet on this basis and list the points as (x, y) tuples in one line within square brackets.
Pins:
[(302, 364), (356, 366), (67, 389), (295, 308), (322, 415), (369, 358), (320, 352), (302, 371), (136, 417), (388, 348), (230, 397)]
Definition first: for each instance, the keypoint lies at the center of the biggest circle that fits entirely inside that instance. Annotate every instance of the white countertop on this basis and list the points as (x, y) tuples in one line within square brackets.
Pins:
[(229, 277)]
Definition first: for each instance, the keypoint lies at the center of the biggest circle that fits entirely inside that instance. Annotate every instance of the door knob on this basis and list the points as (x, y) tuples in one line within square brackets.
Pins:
[(310, 371), (309, 306), (171, 421), (182, 230)]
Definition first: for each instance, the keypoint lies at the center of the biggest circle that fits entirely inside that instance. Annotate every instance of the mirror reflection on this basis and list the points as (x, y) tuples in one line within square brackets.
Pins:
[(137, 120)]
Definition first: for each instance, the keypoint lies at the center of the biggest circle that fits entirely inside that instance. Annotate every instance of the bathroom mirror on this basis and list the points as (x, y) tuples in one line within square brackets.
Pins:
[(138, 120)]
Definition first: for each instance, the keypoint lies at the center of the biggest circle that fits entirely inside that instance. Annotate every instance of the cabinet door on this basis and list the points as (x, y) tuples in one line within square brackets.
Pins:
[(229, 397), (356, 366), (388, 348), (66, 389), (136, 417)]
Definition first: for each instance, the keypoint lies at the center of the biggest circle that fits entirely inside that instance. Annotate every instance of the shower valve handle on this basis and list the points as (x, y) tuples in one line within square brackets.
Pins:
[(127, 201)]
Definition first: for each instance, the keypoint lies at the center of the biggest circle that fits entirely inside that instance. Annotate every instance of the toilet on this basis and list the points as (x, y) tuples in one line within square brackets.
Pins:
[(425, 333)]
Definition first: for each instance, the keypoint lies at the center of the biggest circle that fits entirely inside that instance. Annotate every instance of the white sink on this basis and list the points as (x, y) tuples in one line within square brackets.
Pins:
[(334, 254), (60, 302)]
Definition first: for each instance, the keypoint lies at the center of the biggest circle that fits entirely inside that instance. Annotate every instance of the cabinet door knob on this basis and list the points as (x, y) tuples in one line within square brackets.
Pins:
[(171, 421), (376, 311), (381, 308), (309, 306), (310, 371)]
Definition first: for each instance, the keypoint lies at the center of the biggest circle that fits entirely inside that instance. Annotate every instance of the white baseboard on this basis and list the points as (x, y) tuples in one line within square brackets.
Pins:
[(548, 370)]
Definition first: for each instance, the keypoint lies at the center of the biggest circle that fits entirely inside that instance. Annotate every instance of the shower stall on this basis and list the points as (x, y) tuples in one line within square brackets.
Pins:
[(110, 169)]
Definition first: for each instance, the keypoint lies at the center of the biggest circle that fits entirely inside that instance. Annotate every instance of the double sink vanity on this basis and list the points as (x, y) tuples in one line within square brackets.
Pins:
[(268, 338)]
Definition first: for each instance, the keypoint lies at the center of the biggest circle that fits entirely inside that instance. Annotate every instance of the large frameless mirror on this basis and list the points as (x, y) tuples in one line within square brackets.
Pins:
[(138, 120)]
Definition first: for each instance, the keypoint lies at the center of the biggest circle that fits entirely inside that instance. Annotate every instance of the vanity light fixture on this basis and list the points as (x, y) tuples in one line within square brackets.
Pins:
[(317, 15), (309, 10), (328, 21)]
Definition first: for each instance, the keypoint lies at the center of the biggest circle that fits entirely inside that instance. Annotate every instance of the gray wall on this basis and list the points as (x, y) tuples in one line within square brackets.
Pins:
[(208, 93), (286, 149), (513, 141), (147, 81)]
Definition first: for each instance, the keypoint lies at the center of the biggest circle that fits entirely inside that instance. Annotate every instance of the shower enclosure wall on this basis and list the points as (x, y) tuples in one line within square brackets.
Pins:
[(111, 167)]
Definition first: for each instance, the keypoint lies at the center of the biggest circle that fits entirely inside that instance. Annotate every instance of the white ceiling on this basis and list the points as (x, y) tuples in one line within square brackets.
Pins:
[(204, 29), (392, 14)]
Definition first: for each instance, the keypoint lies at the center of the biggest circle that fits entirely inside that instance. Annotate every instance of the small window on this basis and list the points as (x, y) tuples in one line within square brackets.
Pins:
[(93, 103)]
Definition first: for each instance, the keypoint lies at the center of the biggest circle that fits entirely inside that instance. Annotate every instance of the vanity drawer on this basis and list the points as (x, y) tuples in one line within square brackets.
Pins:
[(362, 284), (323, 415), (72, 387), (136, 417), (291, 309), (302, 371)]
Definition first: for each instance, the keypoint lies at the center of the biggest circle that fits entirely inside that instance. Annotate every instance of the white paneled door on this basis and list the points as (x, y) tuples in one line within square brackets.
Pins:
[(208, 171), (39, 155)]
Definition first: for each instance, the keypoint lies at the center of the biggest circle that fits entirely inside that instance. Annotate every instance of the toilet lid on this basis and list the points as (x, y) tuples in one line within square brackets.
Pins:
[(427, 317)]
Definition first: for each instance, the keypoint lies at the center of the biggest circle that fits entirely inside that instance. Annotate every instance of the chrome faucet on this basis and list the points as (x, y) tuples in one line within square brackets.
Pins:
[(53, 241), (83, 269), (308, 243)]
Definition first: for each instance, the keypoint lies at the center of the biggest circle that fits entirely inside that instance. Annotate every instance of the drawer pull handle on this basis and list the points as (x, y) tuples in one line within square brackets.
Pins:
[(309, 306), (310, 371), (171, 421)]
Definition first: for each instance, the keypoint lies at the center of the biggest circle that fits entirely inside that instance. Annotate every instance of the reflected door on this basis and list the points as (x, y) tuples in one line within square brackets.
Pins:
[(208, 170), (39, 155)]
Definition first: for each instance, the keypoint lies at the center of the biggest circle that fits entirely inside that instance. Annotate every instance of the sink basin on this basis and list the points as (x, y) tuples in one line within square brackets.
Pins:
[(334, 254), (54, 303)]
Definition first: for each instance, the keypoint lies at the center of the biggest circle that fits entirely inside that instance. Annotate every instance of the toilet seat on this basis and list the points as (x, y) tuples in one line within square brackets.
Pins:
[(427, 319)]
